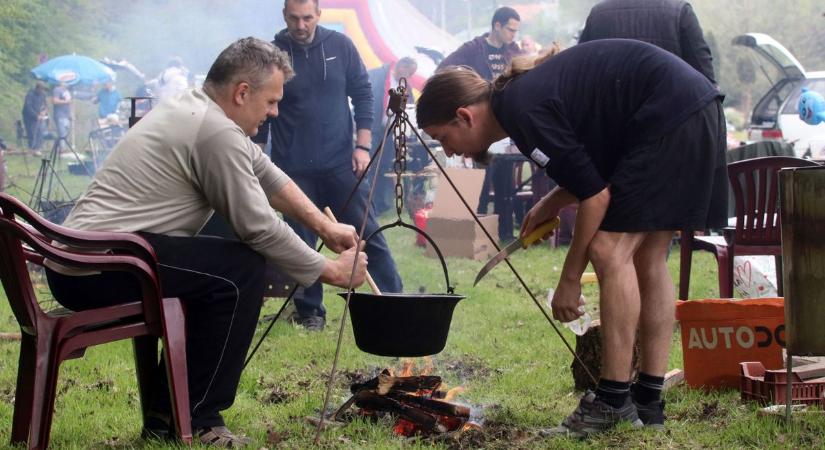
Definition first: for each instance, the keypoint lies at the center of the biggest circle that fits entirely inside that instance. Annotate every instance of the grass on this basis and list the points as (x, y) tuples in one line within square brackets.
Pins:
[(501, 349)]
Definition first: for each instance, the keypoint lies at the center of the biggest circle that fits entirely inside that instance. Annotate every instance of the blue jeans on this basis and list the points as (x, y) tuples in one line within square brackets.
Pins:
[(331, 188)]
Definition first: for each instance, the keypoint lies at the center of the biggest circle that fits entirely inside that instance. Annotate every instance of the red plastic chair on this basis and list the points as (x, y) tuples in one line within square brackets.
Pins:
[(48, 338), (755, 186)]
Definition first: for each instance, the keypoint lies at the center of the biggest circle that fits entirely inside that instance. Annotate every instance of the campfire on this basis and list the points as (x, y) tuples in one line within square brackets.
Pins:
[(419, 404)]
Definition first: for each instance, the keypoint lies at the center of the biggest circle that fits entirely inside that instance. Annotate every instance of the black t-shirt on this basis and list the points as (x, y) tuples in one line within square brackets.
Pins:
[(496, 60), (577, 113)]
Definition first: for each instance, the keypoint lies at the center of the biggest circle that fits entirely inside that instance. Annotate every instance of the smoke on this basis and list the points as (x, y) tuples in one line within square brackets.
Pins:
[(149, 33)]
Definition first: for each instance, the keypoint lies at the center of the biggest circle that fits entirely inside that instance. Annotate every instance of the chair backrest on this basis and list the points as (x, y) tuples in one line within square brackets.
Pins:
[(27, 237), (755, 187)]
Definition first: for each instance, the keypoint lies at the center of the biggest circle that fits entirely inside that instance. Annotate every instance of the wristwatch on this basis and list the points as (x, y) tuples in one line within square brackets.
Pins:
[(363, 147)]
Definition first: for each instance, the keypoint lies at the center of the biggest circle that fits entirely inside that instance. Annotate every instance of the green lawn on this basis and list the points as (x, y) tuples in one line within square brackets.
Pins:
[(501, 349)]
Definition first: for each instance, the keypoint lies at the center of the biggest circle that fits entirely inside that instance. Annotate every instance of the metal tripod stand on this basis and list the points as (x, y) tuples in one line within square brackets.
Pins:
[(44, 199)]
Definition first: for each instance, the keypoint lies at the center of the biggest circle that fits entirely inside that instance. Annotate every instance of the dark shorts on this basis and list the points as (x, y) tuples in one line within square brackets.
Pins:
[(678, 182)]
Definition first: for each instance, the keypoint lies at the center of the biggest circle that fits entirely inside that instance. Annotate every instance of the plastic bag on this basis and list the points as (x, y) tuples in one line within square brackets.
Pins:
[(754, 276), (578, 326)]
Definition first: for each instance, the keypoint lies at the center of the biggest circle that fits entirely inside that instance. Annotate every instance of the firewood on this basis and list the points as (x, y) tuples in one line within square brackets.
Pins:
[(385, 382), (433, 406), (368, 399)]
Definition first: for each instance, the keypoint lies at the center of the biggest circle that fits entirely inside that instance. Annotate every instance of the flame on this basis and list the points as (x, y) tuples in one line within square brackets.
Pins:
[(469, 426), (452, 393), (407, 368), (428, 366)]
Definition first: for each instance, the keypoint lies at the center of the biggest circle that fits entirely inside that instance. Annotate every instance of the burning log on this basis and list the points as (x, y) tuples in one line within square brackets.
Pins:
[(368, 399), (432, 406), (385, 382)]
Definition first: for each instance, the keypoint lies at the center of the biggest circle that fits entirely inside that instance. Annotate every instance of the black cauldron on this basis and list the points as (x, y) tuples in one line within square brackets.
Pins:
[(403, 325)]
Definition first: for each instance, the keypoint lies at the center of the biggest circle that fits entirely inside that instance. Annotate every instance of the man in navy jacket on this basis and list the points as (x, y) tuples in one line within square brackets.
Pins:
[(668, 24), (312, 139)]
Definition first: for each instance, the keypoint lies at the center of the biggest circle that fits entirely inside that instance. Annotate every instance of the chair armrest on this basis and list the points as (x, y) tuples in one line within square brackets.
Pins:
[(129, 243)]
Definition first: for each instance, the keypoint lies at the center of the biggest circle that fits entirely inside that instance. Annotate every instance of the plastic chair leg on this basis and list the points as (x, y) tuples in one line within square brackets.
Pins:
[(45, 390), (724, 259), (685, 263), (174, 351), (24, 394), (146, 364)]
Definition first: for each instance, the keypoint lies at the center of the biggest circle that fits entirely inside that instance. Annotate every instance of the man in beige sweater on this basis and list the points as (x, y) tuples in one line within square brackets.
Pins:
[(187, 159)]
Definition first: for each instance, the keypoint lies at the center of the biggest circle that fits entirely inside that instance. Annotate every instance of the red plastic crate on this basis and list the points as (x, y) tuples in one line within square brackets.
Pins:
[(770, 386)]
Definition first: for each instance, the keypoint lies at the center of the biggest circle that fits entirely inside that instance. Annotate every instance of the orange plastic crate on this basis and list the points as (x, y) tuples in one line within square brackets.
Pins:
[(770, 386)]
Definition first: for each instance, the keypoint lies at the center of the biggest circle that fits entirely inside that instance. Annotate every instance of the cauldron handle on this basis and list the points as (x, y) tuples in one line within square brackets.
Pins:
[(450, 289)]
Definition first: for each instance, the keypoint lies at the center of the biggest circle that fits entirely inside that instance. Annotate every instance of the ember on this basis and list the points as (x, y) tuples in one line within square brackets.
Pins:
[(418, 404)]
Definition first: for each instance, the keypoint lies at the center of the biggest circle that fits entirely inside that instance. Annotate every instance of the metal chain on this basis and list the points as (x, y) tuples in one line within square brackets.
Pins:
[(398, 100)]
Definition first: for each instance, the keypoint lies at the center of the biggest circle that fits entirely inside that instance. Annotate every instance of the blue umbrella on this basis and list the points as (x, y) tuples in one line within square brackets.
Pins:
[(73, 69)]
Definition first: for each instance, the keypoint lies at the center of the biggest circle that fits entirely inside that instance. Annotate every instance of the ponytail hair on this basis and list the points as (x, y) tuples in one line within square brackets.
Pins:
[(522, 64), (449, 89)]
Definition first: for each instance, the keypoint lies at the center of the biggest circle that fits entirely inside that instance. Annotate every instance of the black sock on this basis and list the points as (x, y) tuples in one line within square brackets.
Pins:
[(647, 389), (614, 393)]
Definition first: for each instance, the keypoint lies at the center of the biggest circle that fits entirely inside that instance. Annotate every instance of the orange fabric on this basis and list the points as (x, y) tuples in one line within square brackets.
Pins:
[(719, 334)]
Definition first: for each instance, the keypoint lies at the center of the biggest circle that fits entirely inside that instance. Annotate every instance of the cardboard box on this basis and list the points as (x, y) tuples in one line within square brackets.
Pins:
[(450, 224)]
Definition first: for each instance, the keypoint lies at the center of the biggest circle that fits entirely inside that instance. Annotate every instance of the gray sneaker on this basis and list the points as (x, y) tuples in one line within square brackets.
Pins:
[(652, 414), (594, 416)]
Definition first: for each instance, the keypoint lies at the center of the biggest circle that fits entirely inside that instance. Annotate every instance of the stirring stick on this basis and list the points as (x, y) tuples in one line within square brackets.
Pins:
[(370, 281)]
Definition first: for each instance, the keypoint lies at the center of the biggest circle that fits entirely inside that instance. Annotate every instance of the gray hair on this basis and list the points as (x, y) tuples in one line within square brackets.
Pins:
[(251, 60), (301, 2)]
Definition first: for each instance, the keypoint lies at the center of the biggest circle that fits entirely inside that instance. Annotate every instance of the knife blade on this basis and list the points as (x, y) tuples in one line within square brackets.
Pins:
[(517, 245)]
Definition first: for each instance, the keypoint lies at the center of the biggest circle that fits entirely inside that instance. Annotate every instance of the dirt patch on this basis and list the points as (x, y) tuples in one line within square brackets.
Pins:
[(277, 395), (468, 367), (710, 410), (492, 436)]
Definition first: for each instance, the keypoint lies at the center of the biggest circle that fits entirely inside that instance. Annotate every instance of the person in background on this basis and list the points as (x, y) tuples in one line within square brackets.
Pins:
[(35, 111), (62, 104), (636, 137), (529, 46), (108, 99), (669, 24), (383, 79), (312, 141), (189, 158), (489, 55), (173, 80)]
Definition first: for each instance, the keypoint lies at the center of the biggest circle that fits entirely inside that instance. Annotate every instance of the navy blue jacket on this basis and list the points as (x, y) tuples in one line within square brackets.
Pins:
[(313, 131), (669, 24)]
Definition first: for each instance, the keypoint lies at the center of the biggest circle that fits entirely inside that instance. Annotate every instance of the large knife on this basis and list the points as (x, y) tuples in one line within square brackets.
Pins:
[(517, 245)]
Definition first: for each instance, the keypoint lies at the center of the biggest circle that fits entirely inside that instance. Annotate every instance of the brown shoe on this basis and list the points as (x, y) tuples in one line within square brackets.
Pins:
[(220, 436)]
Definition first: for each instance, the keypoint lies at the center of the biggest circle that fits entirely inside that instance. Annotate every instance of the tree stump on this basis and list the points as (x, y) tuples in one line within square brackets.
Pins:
[(589, 349)]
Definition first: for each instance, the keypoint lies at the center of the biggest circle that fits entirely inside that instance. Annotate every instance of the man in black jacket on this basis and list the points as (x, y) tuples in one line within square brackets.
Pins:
[(490, 53), (34, 112), (668, 24), (312, 139)]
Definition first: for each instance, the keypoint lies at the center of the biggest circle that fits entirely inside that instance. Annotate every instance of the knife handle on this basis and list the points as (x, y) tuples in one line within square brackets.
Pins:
[(539, 232)]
